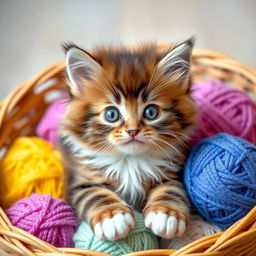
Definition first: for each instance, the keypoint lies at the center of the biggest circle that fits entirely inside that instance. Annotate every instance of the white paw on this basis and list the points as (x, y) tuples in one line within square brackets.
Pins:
[(165, 225), (114, 228)]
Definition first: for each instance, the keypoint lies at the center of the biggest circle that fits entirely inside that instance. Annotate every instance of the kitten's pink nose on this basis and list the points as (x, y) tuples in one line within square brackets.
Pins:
[(133, 132)]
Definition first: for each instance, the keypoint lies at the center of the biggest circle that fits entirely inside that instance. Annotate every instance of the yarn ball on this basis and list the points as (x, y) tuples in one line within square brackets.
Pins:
[(197, 228), (140, 238), (49, 124), (50, 219), (30, 165), (220, 178), (223, 109)]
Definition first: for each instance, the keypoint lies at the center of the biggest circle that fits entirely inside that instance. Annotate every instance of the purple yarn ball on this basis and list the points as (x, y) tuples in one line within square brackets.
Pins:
[(223, 109), (49, 219), (220, 178)]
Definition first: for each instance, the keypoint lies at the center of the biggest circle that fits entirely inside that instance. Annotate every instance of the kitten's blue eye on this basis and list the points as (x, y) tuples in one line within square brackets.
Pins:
[(151, 113), (112, 115)]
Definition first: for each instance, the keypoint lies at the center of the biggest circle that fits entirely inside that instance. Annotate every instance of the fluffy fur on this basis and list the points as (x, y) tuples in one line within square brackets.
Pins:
[(133, 161)]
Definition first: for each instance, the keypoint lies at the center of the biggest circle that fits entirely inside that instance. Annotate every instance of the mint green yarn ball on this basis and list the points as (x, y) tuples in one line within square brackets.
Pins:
[(138, 239)]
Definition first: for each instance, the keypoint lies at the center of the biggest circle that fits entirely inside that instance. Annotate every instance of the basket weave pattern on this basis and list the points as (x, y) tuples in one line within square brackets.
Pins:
[(23, 108)]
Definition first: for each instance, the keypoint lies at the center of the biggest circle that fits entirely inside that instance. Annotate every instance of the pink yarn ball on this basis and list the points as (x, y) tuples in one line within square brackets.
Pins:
[(49, 124), (223, 109), (49, 219)]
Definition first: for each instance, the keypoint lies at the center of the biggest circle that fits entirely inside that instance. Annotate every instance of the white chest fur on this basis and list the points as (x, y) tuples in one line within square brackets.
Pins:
[(131, 171)]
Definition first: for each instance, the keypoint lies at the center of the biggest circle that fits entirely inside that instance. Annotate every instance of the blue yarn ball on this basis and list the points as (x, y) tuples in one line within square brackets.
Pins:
[(220, 178)]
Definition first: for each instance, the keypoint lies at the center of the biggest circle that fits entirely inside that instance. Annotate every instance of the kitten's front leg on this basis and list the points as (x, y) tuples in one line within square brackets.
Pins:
[(109, 216), (167, 209)]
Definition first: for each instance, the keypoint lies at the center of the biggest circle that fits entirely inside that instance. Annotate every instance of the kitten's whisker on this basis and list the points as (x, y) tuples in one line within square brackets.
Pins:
[(101, 141), (184, 135), (81, 156), (107, 146), (98, 144), (176, 137), (104, 147), (162, 149), (178, 133), (177, 151)]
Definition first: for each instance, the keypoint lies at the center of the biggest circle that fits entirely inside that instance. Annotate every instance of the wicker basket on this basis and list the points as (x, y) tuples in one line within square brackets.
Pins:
[(23, 108)]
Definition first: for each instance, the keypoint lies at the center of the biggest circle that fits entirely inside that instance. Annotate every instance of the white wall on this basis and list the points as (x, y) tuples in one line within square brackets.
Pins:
[(31, 31)]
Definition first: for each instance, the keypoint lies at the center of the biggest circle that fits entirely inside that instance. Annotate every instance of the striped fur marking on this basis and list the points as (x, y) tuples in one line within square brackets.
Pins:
[(130, 170)]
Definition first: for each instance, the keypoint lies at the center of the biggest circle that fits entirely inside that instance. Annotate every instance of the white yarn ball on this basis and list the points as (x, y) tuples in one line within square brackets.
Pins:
[(196, 229)]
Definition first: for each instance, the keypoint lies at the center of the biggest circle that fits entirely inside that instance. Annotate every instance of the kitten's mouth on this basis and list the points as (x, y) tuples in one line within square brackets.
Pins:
[(133, 141)]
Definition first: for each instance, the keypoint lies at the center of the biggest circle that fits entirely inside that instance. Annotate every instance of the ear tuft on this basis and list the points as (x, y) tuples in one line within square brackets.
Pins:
[(68, 45), (80, 67), (191, 41), (177, 61)]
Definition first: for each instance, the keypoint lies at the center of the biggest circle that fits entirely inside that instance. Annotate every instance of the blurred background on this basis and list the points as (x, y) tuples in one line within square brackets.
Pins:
[(32, 31)]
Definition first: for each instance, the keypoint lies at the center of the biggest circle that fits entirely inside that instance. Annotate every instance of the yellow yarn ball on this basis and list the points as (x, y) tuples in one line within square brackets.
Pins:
[(30, 165)]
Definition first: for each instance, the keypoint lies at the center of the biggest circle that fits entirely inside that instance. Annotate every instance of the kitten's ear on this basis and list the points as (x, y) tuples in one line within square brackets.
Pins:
[(176, 63), (81, 67)]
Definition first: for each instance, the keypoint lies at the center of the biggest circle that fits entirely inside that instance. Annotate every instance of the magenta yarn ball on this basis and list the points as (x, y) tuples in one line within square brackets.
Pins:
[(223, 109), (49, 124), (47, 218)]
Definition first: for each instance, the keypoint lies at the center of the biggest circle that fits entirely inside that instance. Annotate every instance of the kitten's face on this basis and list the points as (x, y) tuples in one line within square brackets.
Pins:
[(130, 102)]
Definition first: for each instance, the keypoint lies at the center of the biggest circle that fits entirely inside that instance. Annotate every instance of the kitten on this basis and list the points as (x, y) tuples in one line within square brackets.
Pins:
[(123, 136)]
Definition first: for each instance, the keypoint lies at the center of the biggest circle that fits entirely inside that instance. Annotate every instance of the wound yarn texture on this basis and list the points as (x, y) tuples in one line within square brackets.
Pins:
[(31, 165), (220, 178), (49, 219), (140, 238), (223, 109)]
